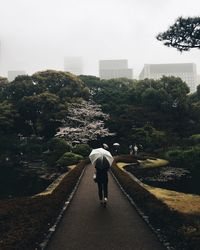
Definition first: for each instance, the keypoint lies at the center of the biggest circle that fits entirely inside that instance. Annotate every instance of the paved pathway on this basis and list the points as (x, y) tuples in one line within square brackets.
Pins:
[(87, 225)]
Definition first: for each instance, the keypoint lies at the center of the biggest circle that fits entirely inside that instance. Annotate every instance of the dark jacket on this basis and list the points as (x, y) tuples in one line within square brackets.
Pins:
[(102, 166)]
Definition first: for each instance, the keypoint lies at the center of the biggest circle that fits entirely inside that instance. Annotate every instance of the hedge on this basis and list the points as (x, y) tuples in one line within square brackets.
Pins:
[(189, 158), (181, 230), (25, 220)]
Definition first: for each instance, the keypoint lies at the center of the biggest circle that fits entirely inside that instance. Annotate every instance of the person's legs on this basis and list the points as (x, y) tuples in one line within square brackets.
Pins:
[(105, 189), (100, 191)]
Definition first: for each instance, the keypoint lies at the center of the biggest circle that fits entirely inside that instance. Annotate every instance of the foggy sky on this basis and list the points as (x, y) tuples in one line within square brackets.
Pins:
[(37, 34)]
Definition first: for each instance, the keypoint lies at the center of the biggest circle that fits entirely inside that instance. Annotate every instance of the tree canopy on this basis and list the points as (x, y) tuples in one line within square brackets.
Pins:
[(183, 35)]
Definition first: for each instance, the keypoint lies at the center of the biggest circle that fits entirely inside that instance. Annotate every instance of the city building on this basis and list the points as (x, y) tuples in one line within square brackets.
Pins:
[(198, 80), (12, 74), (186, 71), (73, 65), (0, 57), (109, 69)]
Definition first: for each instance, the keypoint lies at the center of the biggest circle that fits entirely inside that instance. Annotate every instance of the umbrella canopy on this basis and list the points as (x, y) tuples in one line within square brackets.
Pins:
[(99, 153), (105, 146), (116, 144)]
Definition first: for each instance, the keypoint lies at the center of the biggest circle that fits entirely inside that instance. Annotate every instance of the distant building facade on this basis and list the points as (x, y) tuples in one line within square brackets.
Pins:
[(186, 71), (73, 65), (198, 80), (0, 57), (12, 74), (109, 69)]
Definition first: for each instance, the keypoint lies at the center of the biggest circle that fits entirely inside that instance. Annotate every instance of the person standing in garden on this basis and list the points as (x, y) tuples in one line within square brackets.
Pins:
[(130, 149), (135, 149)]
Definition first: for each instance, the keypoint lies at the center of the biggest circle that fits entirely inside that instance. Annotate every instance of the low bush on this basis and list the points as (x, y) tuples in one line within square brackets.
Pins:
[(82, 149), (57, 147), (68, 158), (175, 157), (176, 226), (25, 220), (195, 139), (189, 158)]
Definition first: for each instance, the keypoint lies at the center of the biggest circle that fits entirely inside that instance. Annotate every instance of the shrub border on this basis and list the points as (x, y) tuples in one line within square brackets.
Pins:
[(52, 229), (164, 222), (26, 221), (162, 238)]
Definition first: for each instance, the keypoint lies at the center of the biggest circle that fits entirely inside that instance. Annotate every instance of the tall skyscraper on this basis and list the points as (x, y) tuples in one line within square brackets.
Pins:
[(73, 65), (109, 69), (186, 71), (12, 74)]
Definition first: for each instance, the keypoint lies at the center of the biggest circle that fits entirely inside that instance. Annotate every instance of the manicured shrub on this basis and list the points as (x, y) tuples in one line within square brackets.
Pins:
[(82, 149), (57, 147), (195, 139), (182, 230), (192, 158), (175, 157), (25, 220), (185, 158), (68, 158), (149, 137)]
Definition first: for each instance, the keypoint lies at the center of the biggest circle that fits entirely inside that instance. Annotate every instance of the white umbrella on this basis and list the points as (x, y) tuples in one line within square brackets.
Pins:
[(105, 146), (116, 144), (100, 152)]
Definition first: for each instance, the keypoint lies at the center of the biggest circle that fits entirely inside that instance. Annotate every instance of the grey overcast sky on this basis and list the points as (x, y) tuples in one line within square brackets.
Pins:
[(37, 34)]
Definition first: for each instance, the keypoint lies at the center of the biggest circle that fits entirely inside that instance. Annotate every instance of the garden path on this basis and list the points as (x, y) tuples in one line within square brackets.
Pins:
[(87, 225)]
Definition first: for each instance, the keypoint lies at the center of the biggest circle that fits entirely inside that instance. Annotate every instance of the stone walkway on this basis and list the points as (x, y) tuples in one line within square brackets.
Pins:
[(88, 225)]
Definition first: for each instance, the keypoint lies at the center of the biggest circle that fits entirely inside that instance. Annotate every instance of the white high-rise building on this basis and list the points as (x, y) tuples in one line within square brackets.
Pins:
[(198, 80), (12, 74), (0, 57), (109, 69), (186, 71), (73, 65)]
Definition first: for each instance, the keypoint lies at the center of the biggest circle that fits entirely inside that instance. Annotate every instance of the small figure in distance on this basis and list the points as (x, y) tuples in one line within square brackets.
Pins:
[(135, 149), (116, 147), (130, 149), (102, 166)]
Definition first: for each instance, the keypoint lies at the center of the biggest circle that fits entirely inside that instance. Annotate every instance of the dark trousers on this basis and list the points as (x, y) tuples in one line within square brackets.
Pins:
[(103, 190)]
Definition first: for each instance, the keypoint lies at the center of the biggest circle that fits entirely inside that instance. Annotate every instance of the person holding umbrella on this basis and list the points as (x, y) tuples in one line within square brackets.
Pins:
[(102, 166), (116, 146), (102, 159)]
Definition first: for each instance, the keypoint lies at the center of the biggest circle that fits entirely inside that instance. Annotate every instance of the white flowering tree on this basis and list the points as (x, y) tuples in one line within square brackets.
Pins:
[(84, 122)]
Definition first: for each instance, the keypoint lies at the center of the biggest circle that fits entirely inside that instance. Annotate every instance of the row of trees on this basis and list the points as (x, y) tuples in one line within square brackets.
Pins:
[(164, 104), (133, 111)]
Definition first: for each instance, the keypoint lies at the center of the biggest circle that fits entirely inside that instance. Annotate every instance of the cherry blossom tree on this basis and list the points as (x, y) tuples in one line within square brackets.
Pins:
[(84, 122)]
